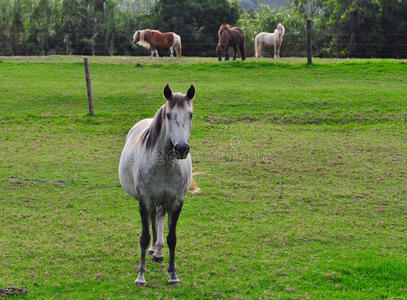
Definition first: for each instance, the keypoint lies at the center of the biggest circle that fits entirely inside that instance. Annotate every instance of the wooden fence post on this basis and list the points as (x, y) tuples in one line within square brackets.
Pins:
[(88, 87), (309, 54)]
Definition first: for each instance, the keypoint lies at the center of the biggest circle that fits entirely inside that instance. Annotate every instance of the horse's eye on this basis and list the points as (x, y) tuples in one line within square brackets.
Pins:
[(191, 115), (168, 116)]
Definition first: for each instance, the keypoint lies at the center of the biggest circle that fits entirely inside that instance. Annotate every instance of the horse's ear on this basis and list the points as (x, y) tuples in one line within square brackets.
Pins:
[(191, 93), (167, 92)]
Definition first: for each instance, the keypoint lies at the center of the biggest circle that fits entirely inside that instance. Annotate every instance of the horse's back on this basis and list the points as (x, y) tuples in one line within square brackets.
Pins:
[(127, 158), (138, 129), (163, 40), (267, 37), (261, 36), (237, 29), (237, 33)]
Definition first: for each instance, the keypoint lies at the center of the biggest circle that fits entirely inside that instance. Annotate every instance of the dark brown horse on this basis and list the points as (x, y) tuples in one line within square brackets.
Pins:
[(230, 37)]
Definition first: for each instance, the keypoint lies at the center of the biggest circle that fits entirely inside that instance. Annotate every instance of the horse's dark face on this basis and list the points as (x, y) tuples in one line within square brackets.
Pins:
[(178, 119), (222, 44), (220, 48)]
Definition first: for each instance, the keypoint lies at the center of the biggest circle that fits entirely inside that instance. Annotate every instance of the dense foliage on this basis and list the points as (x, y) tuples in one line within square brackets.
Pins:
[(366, 28), (349, 28), (197, 22), (254, 4)]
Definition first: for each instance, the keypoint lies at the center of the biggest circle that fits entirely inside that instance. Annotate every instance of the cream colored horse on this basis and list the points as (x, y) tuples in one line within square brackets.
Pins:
[(275, 39)]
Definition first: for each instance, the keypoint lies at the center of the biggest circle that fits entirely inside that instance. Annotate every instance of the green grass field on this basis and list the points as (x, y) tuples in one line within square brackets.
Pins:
[(303, 178)]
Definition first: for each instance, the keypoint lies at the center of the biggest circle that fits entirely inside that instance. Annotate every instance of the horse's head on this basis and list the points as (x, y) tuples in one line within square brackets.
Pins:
[(280, 29), (178, 119), (136, 37), (223, 34)]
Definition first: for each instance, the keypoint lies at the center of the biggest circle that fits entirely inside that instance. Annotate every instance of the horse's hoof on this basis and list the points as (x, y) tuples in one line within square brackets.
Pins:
[(174, 282), (140, 283), (158, 259), (150, 252)]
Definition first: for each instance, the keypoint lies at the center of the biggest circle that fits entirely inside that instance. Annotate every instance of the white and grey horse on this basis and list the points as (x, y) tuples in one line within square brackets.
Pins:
[(266, 38), (156, 169)]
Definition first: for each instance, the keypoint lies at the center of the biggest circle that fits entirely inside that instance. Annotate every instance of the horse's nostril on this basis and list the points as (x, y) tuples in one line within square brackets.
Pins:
[(181, 149)]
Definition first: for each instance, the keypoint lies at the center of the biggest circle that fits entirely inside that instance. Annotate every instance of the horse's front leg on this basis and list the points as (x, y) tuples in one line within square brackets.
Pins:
[(227, 53), (158, 254), (278, 50), (171, 52), (275, 51), (144, 241), (152, 53), (156, 53), (173, 215), (234, 55)]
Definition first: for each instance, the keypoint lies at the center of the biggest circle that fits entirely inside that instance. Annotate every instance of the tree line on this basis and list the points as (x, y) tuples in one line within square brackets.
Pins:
[(346, 28)]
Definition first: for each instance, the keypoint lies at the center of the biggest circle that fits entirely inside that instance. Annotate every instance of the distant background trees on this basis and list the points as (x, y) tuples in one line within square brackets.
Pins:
[(346, 28)]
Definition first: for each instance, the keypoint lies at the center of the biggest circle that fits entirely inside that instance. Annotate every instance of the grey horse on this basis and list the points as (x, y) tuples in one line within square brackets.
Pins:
[(156, 169)]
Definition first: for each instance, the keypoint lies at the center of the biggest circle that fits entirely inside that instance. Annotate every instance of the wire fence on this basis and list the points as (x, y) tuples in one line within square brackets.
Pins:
[(391, 45)]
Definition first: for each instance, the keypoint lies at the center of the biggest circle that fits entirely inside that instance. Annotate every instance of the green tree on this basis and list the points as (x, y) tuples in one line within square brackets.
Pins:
[(40, 29), (5, 25), (17, 28), (197, 22), (366, 28)]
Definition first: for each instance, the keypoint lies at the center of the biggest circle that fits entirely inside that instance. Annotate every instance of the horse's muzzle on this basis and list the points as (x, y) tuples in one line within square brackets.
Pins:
[(181, 151)]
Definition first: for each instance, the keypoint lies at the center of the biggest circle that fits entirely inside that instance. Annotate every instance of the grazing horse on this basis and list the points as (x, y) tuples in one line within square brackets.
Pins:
[(274, 39), (153, 40), (230, 37), (156, 169)]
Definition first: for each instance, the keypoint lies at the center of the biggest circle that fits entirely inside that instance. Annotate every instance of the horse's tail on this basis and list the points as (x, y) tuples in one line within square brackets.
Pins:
[(194, 187), (281, 30), (257, 45), (242, 49), (177, 45)]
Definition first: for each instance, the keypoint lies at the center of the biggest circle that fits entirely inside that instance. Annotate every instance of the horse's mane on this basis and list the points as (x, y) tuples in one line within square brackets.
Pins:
[(222, 28), (280, 29), (152, 30), (150, 136)]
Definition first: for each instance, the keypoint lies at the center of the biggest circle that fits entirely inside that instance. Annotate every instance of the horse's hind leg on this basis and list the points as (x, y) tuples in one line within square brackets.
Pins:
[(153, 215), (227, 53), (173, 215), (235, 51), (144, 242), (156, 53), (171, 52), (158, 254)]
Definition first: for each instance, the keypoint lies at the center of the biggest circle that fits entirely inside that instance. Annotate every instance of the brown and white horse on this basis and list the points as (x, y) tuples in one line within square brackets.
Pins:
[(154, 39)]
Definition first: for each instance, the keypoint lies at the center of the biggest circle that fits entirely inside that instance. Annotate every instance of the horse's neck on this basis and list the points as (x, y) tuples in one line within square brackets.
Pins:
[(163, 147)]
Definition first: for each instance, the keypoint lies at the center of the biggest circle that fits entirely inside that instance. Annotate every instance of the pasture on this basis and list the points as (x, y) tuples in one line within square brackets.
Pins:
[(303, 178)]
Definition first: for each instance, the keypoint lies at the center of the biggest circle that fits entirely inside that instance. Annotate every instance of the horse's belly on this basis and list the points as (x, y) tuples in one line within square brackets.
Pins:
[(165, 197)]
